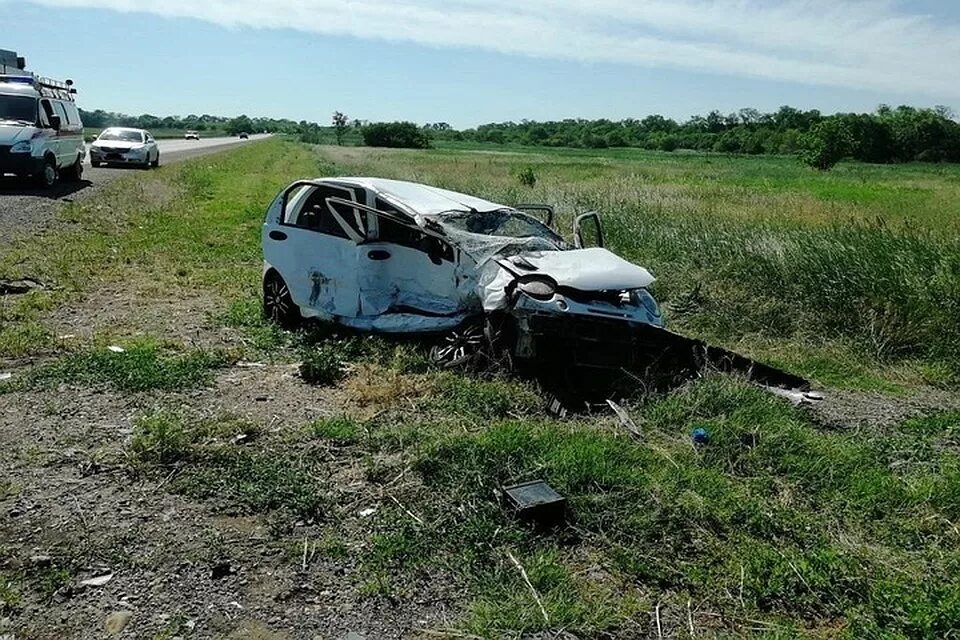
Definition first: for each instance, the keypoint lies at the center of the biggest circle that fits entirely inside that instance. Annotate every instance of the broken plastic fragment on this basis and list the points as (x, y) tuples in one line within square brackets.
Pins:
[(116, 349), (366, 513), (99, 581)]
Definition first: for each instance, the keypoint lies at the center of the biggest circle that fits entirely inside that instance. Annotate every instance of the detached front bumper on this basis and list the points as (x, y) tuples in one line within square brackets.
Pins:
[(586, 356), (19, 163)]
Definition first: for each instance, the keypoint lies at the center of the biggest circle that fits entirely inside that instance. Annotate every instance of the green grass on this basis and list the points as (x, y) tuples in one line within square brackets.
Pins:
[(142, 366), (774, 520), (212, 463)]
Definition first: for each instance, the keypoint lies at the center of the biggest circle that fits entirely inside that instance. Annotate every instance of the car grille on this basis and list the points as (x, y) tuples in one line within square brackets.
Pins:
[(113, 150)]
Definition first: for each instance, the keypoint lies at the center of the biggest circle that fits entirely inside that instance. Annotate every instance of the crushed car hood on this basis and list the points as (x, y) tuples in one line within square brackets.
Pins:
[(592, 269)]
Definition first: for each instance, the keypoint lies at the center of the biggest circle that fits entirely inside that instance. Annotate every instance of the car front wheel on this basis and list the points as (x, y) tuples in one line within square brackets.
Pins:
[(278, 305), (156, 161), (47, 177)]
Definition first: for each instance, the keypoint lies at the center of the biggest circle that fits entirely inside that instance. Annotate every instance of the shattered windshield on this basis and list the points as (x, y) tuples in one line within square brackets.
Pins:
[(505, 223), (18, 108)]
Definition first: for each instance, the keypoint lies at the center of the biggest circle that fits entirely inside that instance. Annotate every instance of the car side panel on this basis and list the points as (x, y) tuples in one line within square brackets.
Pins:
[(395, 278)]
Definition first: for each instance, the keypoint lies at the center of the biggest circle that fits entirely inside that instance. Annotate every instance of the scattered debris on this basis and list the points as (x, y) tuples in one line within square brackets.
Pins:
[(66, 336), (535, 502), (117, 622), (116, 349), (625, 420), (19, 287), (98, 581), (243, 364), (366, 513), (701, 436), (5, 376), (797, 397)]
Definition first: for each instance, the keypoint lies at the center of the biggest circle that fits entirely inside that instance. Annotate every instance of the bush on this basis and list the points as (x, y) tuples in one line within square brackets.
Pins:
[(405, 135), (527, 177), (828, 143)]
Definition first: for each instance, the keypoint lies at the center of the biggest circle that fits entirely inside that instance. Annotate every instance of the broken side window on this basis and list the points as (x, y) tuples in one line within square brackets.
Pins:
[(315, 213)]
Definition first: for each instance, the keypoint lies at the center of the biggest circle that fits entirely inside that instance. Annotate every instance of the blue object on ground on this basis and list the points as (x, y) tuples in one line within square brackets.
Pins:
[(701, 436)]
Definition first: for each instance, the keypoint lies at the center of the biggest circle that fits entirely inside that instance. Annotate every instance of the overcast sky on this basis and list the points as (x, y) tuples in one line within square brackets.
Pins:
[(473, 61)]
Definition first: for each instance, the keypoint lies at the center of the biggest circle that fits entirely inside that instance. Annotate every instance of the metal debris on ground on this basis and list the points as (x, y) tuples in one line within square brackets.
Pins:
[(535, 502), (5, 376), (116, 349), (625, 420)]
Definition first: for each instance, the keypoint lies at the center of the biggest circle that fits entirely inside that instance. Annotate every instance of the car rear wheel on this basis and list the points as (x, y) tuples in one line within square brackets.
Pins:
[(47, 177), (75, 172), (278, 305)]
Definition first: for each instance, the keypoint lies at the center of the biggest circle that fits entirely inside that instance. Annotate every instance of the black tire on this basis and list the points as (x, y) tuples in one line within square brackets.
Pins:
[(156, 163), (278, 305), (48, 174), (75, 172), (94, 163)]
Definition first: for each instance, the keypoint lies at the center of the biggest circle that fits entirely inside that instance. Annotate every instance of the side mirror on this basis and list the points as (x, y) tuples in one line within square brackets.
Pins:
[(55, 123), (580, 223)]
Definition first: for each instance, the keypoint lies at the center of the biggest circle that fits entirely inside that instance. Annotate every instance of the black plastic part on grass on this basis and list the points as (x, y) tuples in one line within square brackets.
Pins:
[(535, 503)]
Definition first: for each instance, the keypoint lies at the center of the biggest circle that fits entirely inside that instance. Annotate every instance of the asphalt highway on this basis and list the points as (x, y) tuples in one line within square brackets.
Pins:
[(25, 208)]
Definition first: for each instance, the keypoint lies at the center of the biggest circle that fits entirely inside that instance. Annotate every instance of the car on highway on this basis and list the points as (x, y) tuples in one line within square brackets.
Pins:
[(41, 134), (191, 135), (125, 146)]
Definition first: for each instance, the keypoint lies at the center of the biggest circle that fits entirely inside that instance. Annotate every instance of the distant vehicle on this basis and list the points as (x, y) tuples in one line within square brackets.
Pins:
[(41, 135), (122, 145), (244, 135), (191, 135)]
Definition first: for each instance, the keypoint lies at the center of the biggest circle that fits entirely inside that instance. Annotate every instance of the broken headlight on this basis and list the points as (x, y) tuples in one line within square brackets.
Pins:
[(646, 300), (538, 288)]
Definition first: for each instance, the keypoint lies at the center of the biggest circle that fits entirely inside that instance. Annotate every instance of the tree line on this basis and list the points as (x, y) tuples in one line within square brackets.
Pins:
[(100, 119), (901, 134), (888, 135)]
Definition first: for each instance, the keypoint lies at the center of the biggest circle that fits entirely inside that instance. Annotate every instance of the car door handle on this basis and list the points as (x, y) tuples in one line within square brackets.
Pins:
[(278, 235), (378, 254)]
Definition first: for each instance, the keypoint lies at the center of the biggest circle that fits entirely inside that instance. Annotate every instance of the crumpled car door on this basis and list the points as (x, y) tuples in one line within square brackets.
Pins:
[(315, 256), (404, 270)]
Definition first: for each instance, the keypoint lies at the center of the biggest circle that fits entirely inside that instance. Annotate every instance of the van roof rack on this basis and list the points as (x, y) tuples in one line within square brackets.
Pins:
[(13, 70)]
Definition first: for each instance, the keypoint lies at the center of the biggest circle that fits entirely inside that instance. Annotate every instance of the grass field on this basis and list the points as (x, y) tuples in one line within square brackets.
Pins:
[(785, 525)]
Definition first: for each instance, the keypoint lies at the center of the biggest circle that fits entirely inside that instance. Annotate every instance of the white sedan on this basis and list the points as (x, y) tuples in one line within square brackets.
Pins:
[(120, 145)]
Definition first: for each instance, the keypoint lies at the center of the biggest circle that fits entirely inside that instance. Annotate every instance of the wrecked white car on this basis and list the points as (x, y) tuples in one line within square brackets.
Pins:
[(398, 257)]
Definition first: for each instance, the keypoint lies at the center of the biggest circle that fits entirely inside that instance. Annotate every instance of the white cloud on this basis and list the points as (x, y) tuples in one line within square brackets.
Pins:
[(864, 44)]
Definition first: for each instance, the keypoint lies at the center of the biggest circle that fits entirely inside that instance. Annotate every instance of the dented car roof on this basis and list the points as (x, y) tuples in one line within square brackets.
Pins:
[(420, 198)]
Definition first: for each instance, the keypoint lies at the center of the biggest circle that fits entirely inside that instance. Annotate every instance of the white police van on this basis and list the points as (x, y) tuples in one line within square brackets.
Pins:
[(41, 135)]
